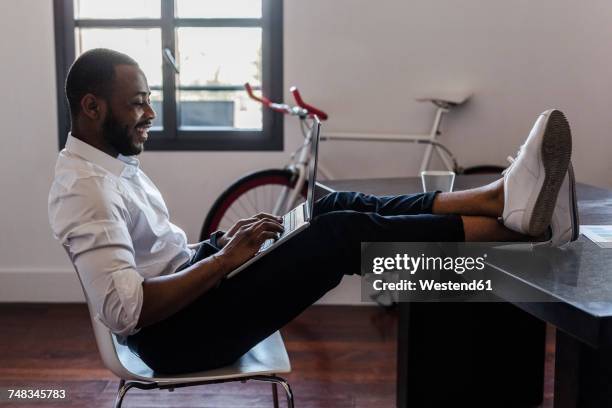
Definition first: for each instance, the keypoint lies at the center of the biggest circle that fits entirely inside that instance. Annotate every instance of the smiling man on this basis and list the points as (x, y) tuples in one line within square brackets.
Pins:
[(110, 89), (170, 301)]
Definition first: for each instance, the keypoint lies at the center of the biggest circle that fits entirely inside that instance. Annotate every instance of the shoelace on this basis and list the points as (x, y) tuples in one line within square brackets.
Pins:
[(512, 160)]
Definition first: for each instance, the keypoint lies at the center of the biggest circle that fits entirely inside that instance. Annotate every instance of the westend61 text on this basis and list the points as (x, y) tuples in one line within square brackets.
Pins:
[(430, 284)]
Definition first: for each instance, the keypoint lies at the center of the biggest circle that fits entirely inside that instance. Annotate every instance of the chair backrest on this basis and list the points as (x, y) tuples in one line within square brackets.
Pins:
[(105, 339)]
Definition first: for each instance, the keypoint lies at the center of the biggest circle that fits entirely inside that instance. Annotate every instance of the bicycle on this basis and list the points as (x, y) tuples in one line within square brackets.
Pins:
[(276, 191)]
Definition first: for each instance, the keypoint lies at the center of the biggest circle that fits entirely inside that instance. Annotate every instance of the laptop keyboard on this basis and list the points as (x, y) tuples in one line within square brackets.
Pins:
[(289, 222)]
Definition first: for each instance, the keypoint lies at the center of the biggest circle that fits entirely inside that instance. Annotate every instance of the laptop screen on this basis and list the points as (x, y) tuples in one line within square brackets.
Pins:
[(312, 170)]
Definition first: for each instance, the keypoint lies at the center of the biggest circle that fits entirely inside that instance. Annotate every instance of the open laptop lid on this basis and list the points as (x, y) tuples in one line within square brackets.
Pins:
[(312, 169)]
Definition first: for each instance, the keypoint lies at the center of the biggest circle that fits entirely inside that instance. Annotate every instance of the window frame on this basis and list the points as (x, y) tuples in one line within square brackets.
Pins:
[(173, 138)]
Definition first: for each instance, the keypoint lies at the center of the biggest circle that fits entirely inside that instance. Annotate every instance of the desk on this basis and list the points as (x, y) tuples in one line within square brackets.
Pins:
[(471, 353)]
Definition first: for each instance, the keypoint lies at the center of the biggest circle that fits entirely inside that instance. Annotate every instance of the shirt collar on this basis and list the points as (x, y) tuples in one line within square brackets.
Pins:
[(121, 166)]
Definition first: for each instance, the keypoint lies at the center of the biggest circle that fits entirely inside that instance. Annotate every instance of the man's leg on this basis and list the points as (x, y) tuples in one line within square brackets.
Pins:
[(227, 321), (487, 200), (408, 204), (487, 229), (479, 208)]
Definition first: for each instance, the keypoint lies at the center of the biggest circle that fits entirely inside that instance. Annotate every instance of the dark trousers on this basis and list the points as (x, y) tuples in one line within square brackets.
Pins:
[(225, 322)]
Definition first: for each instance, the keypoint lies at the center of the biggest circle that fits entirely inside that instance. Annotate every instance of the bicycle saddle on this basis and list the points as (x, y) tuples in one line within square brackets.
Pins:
[(446, 101)]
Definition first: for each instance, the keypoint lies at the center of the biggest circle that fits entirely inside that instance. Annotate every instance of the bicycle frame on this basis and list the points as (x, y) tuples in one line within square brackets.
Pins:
[(288, 197), (429, 139), (299, 167)]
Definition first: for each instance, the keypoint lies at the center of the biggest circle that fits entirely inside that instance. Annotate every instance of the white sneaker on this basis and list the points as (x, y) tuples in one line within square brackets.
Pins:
[(533, 180), (565, 223)]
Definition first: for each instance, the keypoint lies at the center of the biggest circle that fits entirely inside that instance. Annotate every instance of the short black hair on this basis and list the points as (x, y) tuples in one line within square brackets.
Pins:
[(93, 72)]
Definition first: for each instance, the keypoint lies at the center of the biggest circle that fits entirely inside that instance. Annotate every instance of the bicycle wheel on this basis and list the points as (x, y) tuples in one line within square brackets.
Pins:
[(249, 195)]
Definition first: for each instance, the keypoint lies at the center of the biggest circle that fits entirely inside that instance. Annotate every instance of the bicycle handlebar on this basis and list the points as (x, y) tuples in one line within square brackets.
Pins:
[(302, 108), (311, 109)]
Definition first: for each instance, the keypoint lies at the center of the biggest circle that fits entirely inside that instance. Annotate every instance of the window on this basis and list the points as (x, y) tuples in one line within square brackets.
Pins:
[(196, 54)]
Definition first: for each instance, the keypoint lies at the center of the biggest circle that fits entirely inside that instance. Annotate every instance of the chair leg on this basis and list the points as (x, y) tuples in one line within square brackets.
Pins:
[(278, 380), (123, 389), (275, 395), (288, 392)]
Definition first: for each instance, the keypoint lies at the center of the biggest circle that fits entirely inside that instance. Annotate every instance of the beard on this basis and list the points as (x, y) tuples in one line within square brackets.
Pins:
[(118, 136)]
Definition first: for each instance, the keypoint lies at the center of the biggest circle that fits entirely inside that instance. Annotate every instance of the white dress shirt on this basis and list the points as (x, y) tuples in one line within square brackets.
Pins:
[(115, 225)]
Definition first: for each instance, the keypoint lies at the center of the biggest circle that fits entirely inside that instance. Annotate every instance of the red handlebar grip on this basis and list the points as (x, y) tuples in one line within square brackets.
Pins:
[(311, 109), (283, 108), (263, 99)]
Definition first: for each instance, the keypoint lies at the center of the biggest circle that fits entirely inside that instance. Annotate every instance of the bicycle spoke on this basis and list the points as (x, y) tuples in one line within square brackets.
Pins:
[(225, 224), (245, 211), (272, 195), (274, 198), (254, 206), (267, 195), (284, 193), (236, 216), (259, 204), (262, 197), (257, 197)]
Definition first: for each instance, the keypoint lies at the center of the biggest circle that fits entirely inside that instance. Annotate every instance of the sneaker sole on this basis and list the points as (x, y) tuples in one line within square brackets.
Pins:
[(574, 204), (556, 153)]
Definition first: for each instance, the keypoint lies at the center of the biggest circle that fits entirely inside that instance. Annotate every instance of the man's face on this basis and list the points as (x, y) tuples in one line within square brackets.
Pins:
[(129, 113)]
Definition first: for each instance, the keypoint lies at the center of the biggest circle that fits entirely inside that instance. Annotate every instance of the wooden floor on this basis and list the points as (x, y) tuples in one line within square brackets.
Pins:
[(341, 357)]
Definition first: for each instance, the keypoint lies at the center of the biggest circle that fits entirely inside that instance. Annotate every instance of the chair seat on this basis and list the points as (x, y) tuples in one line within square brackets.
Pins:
[(267, 357)]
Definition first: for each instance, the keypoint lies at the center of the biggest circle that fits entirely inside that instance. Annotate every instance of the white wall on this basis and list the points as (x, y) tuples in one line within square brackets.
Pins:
[(518, 58)]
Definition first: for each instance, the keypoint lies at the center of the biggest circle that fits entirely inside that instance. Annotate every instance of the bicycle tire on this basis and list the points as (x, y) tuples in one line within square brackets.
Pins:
[(218, 214)]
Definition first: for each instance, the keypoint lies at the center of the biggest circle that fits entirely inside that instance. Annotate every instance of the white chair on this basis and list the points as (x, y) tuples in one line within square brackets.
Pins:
[(261, 363)]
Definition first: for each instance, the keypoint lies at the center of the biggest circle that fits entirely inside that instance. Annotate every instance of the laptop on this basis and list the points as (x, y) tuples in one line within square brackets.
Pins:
[(299, 218)]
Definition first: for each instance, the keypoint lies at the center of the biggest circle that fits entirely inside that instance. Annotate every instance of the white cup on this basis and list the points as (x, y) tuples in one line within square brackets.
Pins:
[(438, 180)]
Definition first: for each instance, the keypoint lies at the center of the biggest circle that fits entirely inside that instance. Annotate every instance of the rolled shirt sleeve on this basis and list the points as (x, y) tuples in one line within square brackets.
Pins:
[(101, 250)]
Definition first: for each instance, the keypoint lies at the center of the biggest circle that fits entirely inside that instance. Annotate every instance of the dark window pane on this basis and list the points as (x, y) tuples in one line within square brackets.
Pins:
[(212, 109)]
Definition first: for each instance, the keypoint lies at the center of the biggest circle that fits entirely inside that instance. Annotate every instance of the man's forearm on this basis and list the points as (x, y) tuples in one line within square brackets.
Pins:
[(165, 295)]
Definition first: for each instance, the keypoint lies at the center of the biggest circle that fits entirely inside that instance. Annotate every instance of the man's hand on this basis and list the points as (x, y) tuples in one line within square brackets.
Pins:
[(247, 239), (225, 238)]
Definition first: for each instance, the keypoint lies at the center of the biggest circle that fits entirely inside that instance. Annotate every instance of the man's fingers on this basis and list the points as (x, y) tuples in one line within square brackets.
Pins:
[(253, 229), (268, 225), (242, 223), (259, 218), (263, 222), (248, 221), (268, 216), (255, 234), (265, 235)]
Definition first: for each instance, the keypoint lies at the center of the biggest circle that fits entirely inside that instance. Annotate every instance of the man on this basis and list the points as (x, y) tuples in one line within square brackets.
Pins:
[(169, 301)]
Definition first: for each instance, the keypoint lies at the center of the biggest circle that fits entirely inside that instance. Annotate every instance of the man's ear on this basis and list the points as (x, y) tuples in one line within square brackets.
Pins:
[(93, 107)]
